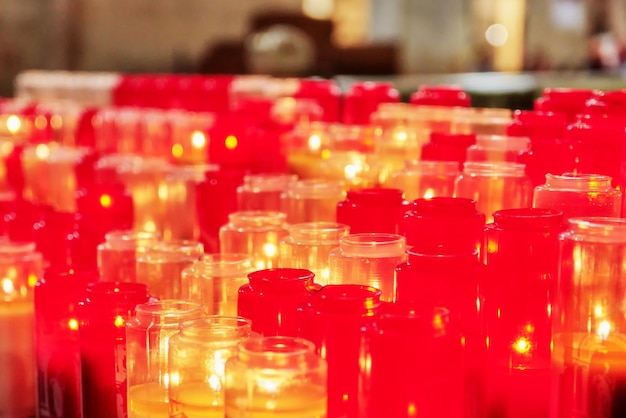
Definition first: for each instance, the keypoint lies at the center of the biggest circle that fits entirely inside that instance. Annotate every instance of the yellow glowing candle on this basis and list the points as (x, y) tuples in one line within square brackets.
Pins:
[(147, 338)]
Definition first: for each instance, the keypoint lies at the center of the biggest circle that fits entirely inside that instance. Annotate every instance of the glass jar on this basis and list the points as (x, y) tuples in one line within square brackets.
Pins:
[(522, 263), (20, 269), (196, 360), (275, 376), (102, 332), (263, 191), (312, 200), (589, 337), (494, 186), (425, 179), (372, 210), (257, 233), (117, 255), (363, 98), (412, 364), (579, 195), (443, 146), (144, 178), (444, 224), (101, 208), (214, 280), (179, 190), (160, 265), (352, 168), (308, 246), (147, 338), (57, 347), (272, 297), (482, 121), (498, 148), (332, 319), (216, 198), (368, 259)]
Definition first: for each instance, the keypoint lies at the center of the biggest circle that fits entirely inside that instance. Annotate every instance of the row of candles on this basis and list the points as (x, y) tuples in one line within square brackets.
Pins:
[(341, 287)]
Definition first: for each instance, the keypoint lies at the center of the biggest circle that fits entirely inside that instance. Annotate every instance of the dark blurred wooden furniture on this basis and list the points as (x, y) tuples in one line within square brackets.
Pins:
[(230, 56)]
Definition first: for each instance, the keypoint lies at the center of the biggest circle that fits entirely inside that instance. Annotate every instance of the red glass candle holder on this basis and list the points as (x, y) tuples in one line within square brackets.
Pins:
[(362, 99), (216, 198), (372, 210), (444, 224), (570, 101), (332, 319), (102, 330), (57, 347), (444, 146), (272, 297), (412, 363), (325, 93), (522, 259), (102, 208)]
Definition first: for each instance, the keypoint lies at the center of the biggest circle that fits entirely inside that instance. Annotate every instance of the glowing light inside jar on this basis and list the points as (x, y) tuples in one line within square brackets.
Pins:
[(231, 142), (42, 151), (198, 139), (522, 345), (604, 328), (13, 124), (177, 150), (315, 142)]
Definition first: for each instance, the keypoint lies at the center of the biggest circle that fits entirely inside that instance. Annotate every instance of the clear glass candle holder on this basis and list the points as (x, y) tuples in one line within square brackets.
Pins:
[(117, 255), (160, 266), (426, 179), (179, 189), (257, 233), (277, 377), (147, 338), (589, 330), (579, 195), (312, 200), (263, 191), (215, 279), (494, 186), (197, 359), (308, 245), (368, 259)]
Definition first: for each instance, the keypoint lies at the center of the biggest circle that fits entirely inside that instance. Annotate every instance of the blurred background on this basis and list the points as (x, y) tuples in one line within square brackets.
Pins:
[(396, 39)]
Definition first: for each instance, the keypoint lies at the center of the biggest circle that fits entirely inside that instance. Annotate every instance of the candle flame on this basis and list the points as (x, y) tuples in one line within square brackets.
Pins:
[(215, 383), (42, 151), (522, 345), (604, 328), (7, 286), (231, 142), (105, 201), (315, 142), (429, 193), (198, 139), (269, 249), (13, 124), (73, 324), (177, 150), (119, 321)]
